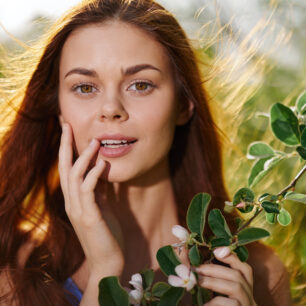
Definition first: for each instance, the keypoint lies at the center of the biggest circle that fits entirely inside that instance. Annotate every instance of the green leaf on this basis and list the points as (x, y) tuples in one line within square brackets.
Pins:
[(244, 195), (148, 277), (251, 234), (258, 167), (218, 242), (111, 292), (303, 138), (194, 256), (271, 218), (285, 124), (264, 196), (302, 128), (167, 259), (270, 207), (238, 222), (301, 103), (260, 149), (242, 253), (171, 297), (196, 213), (269, 164), (218, 224), (284, 217), (294, 196), (301, 151), (160, 288)]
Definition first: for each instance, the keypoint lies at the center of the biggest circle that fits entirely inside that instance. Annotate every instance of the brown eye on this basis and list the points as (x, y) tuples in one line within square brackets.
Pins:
[(141, 86), (86, 88)]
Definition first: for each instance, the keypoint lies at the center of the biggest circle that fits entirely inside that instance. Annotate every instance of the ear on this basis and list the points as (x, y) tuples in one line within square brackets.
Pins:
[(185, 112)]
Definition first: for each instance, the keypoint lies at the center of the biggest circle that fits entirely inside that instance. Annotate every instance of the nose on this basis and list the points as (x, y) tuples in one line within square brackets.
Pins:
[(111, 108)]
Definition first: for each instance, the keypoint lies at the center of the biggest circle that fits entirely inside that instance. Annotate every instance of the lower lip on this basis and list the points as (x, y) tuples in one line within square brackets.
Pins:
[(116, 152)]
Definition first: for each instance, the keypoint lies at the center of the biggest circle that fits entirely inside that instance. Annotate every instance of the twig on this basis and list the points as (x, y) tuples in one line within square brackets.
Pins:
[(294, 181), (247, 223)]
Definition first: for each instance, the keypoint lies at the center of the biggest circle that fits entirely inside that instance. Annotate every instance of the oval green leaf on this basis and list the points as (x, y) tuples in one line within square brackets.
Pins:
[(268, 165), (242, 253), (160, 288), (244, 195), (167, 259), (284, 217), (111, 292), (218, 224), (148, 277), (302, 152), (260, 149), (251, 234), (294, 196), (194, 256), (301, 103), (270, 207), (219, 242), (196, 213), (257, 168), (271, 218), (285, 124), (303, 138), (171, 297)]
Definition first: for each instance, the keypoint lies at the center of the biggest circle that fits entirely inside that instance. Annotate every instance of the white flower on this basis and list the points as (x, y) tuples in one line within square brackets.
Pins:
[(185, 278), (180, 232), (136, 294)]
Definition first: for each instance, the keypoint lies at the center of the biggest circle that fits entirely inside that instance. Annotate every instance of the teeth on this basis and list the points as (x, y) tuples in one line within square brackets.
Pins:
[(110, 142)]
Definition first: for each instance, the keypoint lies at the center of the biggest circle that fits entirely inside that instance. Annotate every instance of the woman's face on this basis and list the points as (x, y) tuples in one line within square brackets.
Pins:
[(116, 85)]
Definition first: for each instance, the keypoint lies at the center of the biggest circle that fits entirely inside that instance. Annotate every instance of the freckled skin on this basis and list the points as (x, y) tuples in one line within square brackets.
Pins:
[(113, 103)]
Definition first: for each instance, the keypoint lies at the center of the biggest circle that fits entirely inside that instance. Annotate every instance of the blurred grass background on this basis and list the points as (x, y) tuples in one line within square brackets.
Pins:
[(277, 61)]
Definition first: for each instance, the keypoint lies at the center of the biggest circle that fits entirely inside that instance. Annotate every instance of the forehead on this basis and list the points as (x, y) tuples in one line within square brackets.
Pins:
[(112, 44)]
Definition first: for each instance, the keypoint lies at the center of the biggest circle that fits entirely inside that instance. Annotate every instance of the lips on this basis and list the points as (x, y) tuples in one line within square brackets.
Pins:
[(116, 145)]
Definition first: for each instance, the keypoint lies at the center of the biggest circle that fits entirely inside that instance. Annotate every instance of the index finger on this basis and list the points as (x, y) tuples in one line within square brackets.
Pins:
[(65, 155), (234, 262)]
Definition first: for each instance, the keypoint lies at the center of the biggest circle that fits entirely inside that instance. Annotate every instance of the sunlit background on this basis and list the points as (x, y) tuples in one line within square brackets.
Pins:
[(281, 43)]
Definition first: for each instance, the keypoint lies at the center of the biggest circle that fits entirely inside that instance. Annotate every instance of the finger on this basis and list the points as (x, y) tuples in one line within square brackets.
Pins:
[(82, 163), (234, 290), (65, 157), (92, 177), (235, 263), (221, 301), (224, 273)]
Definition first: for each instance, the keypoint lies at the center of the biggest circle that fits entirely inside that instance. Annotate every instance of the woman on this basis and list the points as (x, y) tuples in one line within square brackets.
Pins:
[(117, 92)]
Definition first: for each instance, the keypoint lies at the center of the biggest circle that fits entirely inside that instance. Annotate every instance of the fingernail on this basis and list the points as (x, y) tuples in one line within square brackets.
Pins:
[(222, 252), (93, 142)]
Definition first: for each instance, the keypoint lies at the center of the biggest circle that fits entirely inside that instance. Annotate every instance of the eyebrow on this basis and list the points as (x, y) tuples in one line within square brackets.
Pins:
[(128, 71)]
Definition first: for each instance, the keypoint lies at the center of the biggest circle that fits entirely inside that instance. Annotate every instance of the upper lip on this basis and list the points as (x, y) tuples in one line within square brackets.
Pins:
[(116, 137)]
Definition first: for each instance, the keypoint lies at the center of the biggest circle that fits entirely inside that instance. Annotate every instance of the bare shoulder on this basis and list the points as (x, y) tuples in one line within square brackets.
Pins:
[(271, 279)]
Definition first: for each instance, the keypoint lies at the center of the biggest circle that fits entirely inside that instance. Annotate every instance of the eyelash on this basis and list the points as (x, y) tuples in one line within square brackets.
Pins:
[(77, 87)]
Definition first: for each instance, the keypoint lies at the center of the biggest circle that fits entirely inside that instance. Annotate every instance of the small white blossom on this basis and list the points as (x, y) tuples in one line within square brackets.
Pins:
[(180, 232), (136, 294), (184, 278)]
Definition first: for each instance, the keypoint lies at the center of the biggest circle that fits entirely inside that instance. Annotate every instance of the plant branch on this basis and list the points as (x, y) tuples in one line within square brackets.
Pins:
[(248, 222), (294, 181)]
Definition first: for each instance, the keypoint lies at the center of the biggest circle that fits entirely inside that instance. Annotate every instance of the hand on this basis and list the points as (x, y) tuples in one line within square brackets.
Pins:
[(102, 251), (236, 281)]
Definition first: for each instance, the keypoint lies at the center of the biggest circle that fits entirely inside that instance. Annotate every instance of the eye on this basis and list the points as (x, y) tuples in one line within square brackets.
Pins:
[(141, 87), (84, 89)]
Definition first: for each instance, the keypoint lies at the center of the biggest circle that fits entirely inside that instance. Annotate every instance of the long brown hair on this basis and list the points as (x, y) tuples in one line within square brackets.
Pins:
[(29, 186)]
